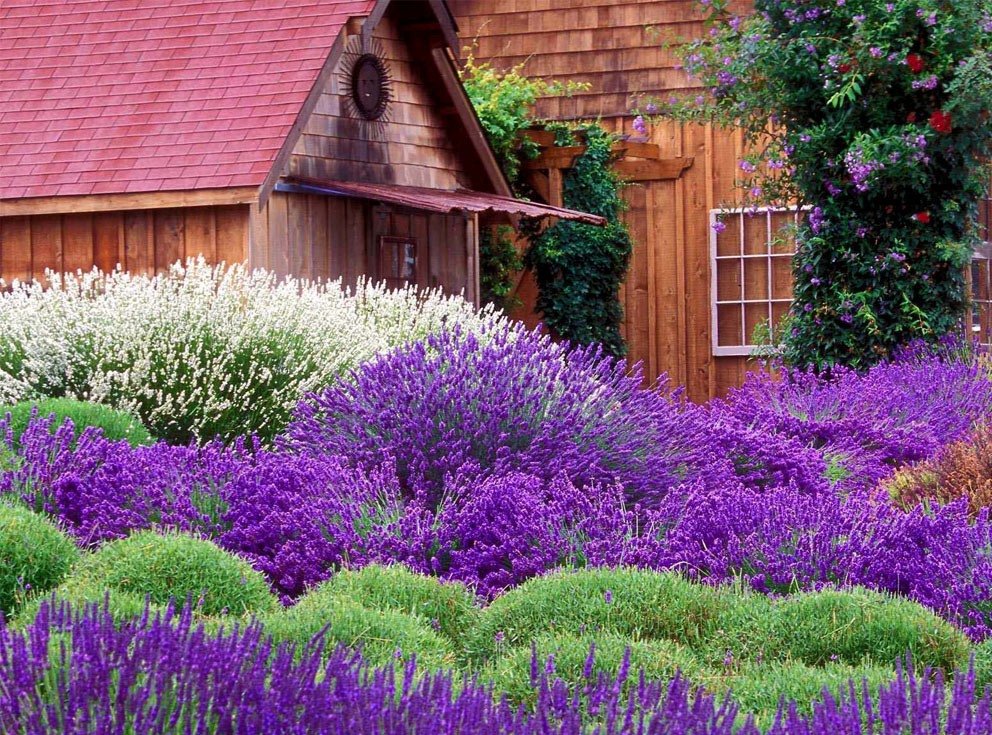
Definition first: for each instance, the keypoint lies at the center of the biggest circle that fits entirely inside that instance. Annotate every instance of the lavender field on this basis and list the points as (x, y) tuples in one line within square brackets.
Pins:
[(454, 524)]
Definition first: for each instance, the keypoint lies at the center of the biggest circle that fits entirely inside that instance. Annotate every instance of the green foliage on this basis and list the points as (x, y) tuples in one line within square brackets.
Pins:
[(579, 267), (880, 115), (504, 102), (384, 635), (982, 653), (122, 606), (499, 261), (634, 603), (171, 566), (34, 556), (449, 607), (856, 627), (568, 655), (114, 424), (758, 688)]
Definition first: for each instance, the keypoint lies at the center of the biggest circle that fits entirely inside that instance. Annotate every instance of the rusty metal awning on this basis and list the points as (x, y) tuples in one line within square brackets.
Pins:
[(433, 200)]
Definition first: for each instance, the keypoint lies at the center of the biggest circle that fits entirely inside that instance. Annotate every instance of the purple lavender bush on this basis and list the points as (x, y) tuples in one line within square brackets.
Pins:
[(782, 541), (461, 405), (77, 673), (898, 412)]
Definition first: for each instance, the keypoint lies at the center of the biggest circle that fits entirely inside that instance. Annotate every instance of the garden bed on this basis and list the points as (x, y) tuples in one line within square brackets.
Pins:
[(511, 531)]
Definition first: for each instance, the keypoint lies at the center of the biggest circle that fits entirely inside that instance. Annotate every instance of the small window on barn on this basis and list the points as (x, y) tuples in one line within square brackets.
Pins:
[(981, 278), (751, 286), (398, 260)]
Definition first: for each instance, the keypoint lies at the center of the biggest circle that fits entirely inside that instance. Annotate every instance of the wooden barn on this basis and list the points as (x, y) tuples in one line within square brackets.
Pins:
[(692, 297), (318, 138)]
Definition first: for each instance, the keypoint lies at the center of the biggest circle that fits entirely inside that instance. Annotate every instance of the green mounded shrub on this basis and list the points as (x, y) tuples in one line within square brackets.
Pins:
[(660, 660), (383, 635), (634, 603), (122, 606), (982, 653), (172, 566), (851, 626), (758, 688), (115, 424), (34, 556), (448, 606)]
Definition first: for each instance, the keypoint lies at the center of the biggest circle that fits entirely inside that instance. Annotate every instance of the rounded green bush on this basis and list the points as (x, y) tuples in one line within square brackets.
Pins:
[(854, 626), (982, 653), (634, 603), (173, 566), (114, 424), (449, 606), (758, 688), (34, 556), (510, 673), (122, 606), (384, 636)]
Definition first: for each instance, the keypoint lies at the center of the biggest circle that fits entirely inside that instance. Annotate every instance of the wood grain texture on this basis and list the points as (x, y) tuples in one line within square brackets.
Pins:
[(141, 241), (411, 146)]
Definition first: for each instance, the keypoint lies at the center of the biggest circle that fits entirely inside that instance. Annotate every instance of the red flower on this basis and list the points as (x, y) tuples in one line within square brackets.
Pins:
[(922, 217), (911, 117), (915, 62), (844, 68), (940, 121)]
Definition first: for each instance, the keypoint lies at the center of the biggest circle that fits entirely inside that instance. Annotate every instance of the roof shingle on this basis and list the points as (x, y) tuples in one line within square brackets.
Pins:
[(193, 91)]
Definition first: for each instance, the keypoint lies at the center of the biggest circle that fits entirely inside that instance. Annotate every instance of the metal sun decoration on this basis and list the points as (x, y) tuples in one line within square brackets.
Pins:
[(368, 87)]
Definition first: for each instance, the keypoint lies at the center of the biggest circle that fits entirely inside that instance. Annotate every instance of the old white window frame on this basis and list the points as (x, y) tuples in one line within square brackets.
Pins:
[(768, 256)]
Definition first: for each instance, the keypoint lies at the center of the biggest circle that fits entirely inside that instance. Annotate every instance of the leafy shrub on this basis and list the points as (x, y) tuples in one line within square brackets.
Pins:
[(760, 689), (982, 663), (583, 661), (174, 567), (122, 607), (579, 267), (147, 676), (34, 556), (880, 112), (855, 627), (464, 405), (114, 424), (640, 605), (962, 470), (203, 351), (383, 635), (449, 608)]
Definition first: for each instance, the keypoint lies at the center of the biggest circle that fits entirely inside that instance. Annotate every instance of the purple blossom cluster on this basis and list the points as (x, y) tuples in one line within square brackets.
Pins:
[(162, 675), (492, 459)]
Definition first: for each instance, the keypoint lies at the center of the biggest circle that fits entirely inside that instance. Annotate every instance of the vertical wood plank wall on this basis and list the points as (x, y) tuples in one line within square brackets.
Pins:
[(313, 237), (617, 48), (141, 241)]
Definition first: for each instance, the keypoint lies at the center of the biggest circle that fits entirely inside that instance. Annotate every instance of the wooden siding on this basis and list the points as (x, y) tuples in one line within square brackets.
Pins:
[(324, 237), (618, 48), (412, 146), (141, 241)]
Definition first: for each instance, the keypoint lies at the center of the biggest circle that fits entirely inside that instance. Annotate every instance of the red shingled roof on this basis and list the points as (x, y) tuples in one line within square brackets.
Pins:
[(110, 96)]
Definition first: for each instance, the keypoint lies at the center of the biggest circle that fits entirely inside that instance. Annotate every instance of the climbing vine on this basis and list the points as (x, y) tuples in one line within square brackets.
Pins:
[(579, 267), (879, 113)]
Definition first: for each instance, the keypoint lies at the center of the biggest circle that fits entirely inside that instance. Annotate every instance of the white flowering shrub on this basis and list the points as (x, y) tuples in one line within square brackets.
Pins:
[(204, 351)]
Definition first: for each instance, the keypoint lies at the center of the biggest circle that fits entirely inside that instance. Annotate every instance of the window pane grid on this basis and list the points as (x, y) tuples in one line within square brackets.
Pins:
[(751, 260), (751, 266)]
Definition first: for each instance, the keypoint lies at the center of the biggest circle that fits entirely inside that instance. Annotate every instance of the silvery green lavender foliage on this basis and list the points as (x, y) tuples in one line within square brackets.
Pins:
[(459, 406), (201, 350), (79, 673)]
